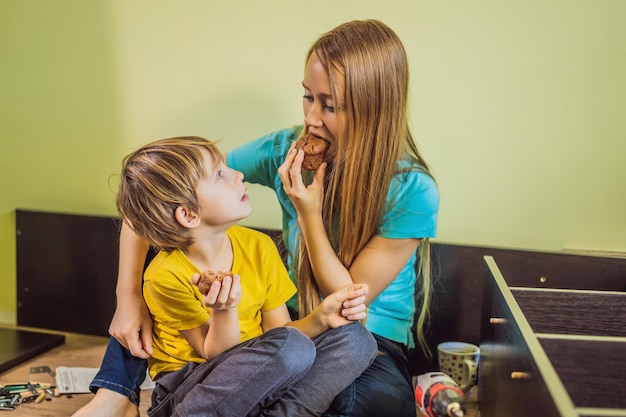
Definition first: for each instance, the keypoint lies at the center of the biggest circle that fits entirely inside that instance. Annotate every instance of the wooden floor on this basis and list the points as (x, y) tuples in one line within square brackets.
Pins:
[(86, 351), (78, 350)]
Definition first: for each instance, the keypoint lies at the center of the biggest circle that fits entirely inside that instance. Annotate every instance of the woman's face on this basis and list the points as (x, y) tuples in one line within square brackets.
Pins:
[(320, 111)]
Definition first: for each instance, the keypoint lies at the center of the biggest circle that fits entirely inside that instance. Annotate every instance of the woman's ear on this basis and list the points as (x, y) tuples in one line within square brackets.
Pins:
[(186, 217)]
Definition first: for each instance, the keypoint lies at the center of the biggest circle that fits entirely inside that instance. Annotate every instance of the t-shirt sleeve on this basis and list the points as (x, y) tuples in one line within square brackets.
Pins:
[(174, 302), (412, 207), (259, 159)]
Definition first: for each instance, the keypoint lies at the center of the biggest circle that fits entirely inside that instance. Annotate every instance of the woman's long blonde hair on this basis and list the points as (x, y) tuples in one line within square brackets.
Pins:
[(368, 71)]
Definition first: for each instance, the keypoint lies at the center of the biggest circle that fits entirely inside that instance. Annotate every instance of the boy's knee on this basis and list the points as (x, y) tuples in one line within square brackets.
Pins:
[(297, 352), (360, 341)]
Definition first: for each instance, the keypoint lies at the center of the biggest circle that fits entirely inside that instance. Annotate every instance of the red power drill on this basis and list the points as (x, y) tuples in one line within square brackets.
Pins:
[(437, 395)]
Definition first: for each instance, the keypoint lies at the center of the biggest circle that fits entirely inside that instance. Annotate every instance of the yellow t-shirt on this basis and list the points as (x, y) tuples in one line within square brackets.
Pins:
[(176, 304)]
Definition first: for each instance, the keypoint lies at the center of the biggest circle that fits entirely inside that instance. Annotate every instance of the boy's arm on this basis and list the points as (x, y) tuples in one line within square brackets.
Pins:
[(131, 324), (277, 317), (222, 331), (214, 336)]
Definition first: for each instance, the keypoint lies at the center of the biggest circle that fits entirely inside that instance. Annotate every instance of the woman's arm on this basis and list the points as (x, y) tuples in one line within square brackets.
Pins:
[(378, 263), (338, 309), (131, 324)]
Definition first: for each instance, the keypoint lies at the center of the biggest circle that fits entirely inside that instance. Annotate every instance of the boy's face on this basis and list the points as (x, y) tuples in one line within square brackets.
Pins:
[(222, 195)]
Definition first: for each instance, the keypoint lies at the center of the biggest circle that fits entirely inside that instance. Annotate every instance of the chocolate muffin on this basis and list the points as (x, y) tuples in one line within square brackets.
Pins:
[(314, 151), (208, 277)]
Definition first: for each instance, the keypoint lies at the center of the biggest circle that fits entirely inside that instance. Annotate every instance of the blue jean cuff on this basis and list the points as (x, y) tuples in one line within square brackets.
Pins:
[(133, 396)]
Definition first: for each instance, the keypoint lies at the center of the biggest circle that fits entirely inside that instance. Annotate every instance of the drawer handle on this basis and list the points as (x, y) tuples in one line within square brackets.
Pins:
[(543, 279), (497, 320), (521, 375)]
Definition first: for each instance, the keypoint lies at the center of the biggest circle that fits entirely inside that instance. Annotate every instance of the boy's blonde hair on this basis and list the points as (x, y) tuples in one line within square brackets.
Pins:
[(369, 78), (158, 178)]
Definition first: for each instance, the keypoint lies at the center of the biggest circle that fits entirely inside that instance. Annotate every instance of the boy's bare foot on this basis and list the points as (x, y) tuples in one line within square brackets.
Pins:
[(107, 403)]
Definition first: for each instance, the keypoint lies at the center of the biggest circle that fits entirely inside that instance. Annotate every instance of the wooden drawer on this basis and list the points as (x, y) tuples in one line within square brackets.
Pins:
[(510, 381), (567, 348)]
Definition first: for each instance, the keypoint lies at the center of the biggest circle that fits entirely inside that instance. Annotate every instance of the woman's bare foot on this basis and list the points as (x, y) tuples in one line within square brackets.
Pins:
[(107, 403)]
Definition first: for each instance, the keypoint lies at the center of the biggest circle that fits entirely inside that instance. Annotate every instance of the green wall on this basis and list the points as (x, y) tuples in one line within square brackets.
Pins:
[(518, 105)]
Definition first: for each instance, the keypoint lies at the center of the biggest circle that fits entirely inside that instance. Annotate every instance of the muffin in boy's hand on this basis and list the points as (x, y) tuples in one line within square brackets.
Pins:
[(314, 150), (208, 277)]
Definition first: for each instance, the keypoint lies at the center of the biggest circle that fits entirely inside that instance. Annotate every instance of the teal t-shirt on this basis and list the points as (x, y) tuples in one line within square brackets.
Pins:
[(411, 212)]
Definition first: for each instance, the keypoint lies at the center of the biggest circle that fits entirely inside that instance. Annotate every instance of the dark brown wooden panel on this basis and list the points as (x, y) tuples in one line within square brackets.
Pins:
[(559, 270), (591, 371), (595, 414), (587, 313), (456, 299), (66, 271), (17, 346)]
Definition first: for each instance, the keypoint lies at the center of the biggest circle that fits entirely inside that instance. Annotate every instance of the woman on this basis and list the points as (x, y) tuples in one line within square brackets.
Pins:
[(366, 210), (364, 216)]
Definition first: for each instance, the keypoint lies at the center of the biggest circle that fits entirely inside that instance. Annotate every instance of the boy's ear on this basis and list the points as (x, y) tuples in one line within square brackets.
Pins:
[(186, 217)]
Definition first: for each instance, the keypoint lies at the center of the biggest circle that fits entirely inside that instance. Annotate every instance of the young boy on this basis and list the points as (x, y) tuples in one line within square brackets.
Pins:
[(235, 350)]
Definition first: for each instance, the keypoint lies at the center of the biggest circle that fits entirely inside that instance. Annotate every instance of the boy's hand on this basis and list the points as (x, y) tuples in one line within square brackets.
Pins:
[(224, 294), (345, 305)]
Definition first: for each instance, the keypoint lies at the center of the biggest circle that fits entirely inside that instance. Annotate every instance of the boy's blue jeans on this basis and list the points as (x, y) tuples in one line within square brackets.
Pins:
[(382, 389)]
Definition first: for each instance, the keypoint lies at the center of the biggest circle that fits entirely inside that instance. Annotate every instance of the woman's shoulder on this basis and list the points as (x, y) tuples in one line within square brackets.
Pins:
[(254, 155), (411, 174), (282, 136), (412, 186)]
